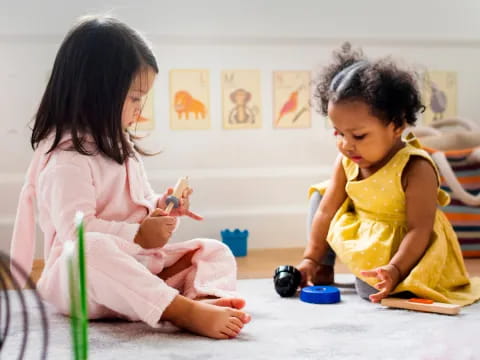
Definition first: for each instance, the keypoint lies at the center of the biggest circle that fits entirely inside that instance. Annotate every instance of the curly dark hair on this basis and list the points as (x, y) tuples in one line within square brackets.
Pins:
[(392, 93)]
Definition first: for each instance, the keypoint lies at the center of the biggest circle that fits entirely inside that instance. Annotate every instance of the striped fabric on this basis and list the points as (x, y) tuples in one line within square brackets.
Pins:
[(465, 219)]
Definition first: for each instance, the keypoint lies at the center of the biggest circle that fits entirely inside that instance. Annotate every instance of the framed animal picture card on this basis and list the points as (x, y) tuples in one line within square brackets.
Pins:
[(145, 122), (241, 99), (189, 99), (439, 95), (291, 99)]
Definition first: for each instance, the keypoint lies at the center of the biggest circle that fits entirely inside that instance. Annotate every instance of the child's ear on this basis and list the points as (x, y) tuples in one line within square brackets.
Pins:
[(398, 130)]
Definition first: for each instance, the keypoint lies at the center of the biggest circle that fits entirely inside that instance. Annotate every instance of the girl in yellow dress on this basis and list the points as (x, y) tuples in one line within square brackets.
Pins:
[(379, 211)]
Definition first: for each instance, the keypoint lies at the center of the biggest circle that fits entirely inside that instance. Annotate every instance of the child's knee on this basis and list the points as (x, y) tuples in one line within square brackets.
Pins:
[(363, 289), (315, 197), (217, 247)]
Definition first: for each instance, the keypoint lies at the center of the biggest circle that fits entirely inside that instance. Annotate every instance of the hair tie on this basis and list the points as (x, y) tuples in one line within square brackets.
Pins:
[(344, 77)]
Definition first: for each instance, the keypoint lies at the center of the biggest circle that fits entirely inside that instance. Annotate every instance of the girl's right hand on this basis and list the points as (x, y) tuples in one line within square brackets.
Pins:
[(155, 230), (309, 270), (184, 208)]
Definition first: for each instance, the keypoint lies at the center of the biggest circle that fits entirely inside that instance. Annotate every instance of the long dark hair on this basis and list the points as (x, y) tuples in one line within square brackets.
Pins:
[(90, 79)]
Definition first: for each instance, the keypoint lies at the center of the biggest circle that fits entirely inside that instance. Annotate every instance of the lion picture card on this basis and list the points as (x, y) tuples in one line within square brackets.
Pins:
[(189, 99)]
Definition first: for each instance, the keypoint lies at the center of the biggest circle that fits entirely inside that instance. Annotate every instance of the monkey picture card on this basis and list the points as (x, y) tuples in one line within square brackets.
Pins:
[(241, 97)]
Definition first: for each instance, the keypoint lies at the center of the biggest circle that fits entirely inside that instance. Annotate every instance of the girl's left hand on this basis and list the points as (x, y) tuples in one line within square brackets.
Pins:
[(389, 278), (183, 209)]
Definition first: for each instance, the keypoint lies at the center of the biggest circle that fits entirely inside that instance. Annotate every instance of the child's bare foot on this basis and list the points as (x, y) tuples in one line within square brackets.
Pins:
[(234, 303), (324, 275), (217, 322)]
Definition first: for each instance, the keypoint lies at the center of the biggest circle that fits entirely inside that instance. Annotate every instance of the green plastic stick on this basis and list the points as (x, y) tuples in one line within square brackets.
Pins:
[(78, 292)]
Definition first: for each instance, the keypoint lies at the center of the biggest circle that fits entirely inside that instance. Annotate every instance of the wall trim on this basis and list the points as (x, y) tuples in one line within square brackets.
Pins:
[(275, 217), (209, 40), (210, 173)]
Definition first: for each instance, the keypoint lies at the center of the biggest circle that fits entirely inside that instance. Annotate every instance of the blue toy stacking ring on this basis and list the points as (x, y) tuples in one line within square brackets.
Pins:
[(174, 200), (320, 294)]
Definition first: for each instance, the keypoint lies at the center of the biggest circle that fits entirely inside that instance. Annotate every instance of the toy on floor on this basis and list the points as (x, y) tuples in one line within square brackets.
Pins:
[(8, 317), (320, 294), (78, 291), (173, 200), (236, 240), (421, 305), (287, 278)]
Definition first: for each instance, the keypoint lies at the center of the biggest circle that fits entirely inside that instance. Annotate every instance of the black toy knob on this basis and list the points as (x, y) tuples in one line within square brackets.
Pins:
[(286, 280)]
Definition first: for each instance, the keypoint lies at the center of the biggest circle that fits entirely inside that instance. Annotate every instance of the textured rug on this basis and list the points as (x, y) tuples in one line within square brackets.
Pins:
[(280, 329)]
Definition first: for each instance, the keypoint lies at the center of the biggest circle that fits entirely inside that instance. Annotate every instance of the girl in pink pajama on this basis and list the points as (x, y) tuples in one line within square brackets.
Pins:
[(85, 161)]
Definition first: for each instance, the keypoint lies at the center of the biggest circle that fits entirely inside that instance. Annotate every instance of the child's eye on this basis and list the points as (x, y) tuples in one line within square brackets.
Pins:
[(135, 99), (336, 133), (359, 137)]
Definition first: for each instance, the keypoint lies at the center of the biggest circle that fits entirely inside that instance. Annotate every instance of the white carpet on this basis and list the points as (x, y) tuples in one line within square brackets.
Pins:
[(280, 329)]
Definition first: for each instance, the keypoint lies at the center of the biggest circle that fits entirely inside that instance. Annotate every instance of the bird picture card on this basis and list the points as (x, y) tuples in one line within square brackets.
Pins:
[(189, 99), (439, 95), (241, 99), (291, 99)]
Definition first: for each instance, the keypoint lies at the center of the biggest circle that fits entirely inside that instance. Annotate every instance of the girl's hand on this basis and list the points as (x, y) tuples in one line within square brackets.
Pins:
[(155, 230), (389, 277), (309, 270), (183, 209)]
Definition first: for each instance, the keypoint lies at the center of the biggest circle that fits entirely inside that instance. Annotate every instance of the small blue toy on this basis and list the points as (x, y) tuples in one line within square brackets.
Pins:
[(320, 294), (236, 240)]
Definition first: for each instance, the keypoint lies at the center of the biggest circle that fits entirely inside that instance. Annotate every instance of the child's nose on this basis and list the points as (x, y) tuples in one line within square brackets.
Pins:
[(347, 145)]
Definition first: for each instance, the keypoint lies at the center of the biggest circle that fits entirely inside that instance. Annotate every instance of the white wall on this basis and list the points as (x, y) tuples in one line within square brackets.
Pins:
[(255, 179)]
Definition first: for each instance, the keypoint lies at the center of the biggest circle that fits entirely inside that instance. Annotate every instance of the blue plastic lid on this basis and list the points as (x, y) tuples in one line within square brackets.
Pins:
[(320, 294)]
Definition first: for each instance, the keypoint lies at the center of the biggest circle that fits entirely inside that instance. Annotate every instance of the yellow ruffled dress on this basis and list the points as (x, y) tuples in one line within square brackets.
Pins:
[(367, 230)]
